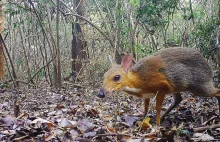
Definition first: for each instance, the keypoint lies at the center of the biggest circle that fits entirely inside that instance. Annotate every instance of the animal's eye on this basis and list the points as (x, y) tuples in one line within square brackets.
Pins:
[(117, 78)]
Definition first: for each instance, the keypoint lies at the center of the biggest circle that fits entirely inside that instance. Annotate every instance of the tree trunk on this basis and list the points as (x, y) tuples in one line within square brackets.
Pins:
[(58, 48), (78, 41), (2, 57)]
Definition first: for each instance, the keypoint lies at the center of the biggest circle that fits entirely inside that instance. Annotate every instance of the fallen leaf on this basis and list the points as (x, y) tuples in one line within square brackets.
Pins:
[(8, 120), (2, 137), (83, 140), (65, 123), (40, 120), (8, 132), (50, 137), (84, 125), (59, 106), (110, 129), (202, 137), (144, 125), (130, 120), (74, 132), (136, 140), (107, 118), (89, 134), (42, 123)]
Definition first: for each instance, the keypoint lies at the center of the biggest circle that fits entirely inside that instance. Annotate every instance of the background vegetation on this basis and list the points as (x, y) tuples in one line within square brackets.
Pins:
[(35, 35), (57, 51)]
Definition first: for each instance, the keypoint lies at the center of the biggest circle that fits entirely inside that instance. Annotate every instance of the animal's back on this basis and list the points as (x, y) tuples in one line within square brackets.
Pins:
[(186, 70)]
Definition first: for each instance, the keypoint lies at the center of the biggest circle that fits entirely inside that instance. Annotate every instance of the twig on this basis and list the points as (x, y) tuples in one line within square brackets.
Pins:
[(121, 136), (91, 23), (39, 71), (75, 85), (205, 123), (113, 134), (206, 127), (19, 138), (22, 115), (79, 71)]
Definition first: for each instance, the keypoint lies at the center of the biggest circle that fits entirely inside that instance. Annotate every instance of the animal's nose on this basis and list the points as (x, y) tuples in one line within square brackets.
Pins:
[(101, 93)]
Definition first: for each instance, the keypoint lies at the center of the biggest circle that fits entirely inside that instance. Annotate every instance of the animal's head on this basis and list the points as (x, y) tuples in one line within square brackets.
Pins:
[(116, 77)]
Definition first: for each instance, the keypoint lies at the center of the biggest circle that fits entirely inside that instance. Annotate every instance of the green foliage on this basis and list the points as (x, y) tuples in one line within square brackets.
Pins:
[(42, 73), (142, 50), (17, 10), (135, 3), (204, 35), (108, 4), (154, 12), (17, 24), (12, 11), (173, 41)]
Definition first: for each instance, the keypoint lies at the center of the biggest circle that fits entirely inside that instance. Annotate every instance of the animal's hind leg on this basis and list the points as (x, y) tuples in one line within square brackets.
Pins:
[(176, 100), (218, 104)]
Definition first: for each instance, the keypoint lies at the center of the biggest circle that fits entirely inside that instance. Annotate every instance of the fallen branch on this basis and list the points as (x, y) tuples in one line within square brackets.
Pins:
[(22, 115), (19, 138), (113, 134), (205, 123), (199, 129)]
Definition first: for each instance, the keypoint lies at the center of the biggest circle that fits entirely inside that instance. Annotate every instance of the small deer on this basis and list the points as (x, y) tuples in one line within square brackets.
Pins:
[(171, 70)]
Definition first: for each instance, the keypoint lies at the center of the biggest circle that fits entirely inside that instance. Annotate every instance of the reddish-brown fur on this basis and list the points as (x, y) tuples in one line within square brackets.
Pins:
[(171, 70)]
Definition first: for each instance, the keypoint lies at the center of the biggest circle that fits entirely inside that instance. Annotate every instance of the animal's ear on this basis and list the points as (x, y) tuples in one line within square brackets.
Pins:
[(126, 62), (112, 60)]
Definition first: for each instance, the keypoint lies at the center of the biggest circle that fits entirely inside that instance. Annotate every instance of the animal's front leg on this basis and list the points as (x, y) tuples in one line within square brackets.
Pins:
[(146, 106), (159, 102)]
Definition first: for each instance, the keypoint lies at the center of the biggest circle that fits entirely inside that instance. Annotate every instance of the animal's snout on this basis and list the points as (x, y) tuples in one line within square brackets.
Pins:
[(101, 93)]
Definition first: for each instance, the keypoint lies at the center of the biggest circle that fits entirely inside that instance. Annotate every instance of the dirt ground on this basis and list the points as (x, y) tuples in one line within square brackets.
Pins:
[(76, 114)]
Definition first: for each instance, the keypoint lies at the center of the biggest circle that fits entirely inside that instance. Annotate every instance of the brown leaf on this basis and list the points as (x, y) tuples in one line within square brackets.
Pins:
[(65, 123), (8, 132), (74, 132), (110, 129), (83, 140), (89, 134), (8, 120), (49, 137), (107, 118), (202, 137), (39, 122), (59, 106), (84, 125), (130, 120)]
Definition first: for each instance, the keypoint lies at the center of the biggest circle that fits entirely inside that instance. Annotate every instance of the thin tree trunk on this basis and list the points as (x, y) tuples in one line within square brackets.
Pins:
[(2, 20), (54, 50), (43, 30), (191, 10), (58, 48), (25, 55), (16, 84), (78, 42)]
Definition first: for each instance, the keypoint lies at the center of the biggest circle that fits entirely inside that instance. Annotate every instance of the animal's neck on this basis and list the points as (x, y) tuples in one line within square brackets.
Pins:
[(133, 81)]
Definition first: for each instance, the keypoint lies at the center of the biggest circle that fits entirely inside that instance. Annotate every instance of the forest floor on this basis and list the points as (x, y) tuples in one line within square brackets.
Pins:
[(76, 114)]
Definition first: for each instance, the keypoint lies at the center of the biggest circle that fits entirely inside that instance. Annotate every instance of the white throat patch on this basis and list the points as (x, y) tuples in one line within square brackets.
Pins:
[(134, 90), (138, 90)]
